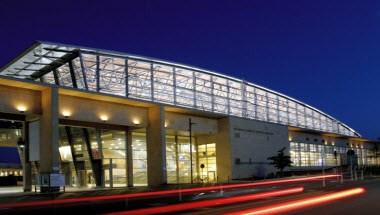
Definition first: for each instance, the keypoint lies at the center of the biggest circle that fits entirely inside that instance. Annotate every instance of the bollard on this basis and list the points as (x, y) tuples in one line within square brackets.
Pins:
[(221, 190), (362, 175), (323, 180)]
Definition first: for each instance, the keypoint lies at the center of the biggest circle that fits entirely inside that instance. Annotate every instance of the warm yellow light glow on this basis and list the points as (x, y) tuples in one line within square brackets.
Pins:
[(65, 152), (66, 113), (166, 124), (21, 108), (136, 121), (290, 138), (104, 117)]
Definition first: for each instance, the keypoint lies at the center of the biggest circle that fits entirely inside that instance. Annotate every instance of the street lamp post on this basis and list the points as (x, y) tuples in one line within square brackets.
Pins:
[(191, 150)]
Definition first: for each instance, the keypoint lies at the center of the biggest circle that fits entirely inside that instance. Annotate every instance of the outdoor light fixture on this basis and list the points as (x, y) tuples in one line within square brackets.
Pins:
[(66, 113), (104, 118), (136, 122), (21, 108), (166, 124)]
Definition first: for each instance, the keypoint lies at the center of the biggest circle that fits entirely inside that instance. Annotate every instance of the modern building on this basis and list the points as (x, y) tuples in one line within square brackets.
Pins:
[(110, 119)]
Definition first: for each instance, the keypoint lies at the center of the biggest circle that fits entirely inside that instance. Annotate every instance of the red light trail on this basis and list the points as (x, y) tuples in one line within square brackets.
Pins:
[(162, 192), (209, 203), (302, 203)]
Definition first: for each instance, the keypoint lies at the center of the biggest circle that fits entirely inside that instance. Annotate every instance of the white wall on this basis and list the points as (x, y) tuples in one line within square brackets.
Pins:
[(255, 140)]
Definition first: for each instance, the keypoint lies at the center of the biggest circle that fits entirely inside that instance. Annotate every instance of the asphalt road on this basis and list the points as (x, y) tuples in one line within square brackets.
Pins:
[(367, 203)]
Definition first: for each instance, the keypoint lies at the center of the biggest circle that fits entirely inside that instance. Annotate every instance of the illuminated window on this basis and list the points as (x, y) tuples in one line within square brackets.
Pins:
[(207, 160), (139, 156)]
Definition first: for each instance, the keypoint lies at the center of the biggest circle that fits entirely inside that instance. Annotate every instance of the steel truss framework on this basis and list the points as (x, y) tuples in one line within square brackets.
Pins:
[(167, 83)]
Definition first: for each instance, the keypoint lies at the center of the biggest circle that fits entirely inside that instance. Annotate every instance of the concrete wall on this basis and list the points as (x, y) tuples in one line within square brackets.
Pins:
[(12, 97), (223, 150), (156, 147), (180, 122), (253, 142), (90, 111)]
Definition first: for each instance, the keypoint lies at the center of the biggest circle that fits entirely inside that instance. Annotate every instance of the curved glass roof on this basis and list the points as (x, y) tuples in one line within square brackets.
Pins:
[(165, 82)]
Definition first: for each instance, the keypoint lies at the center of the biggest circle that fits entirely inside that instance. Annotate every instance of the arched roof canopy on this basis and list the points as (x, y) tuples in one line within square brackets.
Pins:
[(166, 82)]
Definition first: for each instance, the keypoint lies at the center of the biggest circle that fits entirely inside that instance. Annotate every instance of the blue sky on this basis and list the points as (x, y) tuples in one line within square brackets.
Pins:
[(325, 53)]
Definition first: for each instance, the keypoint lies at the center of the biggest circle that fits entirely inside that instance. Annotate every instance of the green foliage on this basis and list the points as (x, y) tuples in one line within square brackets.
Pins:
[(281, 161)]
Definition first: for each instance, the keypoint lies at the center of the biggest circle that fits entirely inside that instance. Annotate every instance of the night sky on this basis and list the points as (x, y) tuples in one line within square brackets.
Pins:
[(324, 53)]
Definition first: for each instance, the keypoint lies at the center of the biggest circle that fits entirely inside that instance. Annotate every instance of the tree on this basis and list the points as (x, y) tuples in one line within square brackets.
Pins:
[(280, 161)]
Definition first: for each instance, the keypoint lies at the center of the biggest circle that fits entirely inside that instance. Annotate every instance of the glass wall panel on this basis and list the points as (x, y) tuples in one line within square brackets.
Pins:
[(83, 162), (64, 76), (220, 92), (112, 75), (318, 155), (139, 156), (49, 78), (185, 87), (203, 87), (251, 102), (171, 159), (184, 164), (114, 157), (207, 160), (163, 83), (139, 80), (67, 160), (89, 62)]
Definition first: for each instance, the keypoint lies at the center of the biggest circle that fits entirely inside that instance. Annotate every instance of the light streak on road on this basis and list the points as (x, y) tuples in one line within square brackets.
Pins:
[(209, 203), (164, 192), (302, 203)]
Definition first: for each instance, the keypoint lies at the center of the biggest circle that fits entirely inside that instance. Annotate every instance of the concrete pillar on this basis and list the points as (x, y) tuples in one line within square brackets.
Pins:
[(129, 159), (26, 166), (156, 146), (49, 132), (223, 150)]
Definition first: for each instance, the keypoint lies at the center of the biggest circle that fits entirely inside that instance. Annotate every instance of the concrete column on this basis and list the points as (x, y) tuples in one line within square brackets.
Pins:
[(156, 146), (129, 159), (49, 132), (223, 151), (26, 167)]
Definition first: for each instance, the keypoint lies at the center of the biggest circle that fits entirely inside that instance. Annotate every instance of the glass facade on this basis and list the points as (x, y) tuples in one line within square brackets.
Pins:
[(75, 157), (89, 154), (207, 162), (170, 83), (114, 158), (318, 155), (171, 160), (178, 159), (139, 156)]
